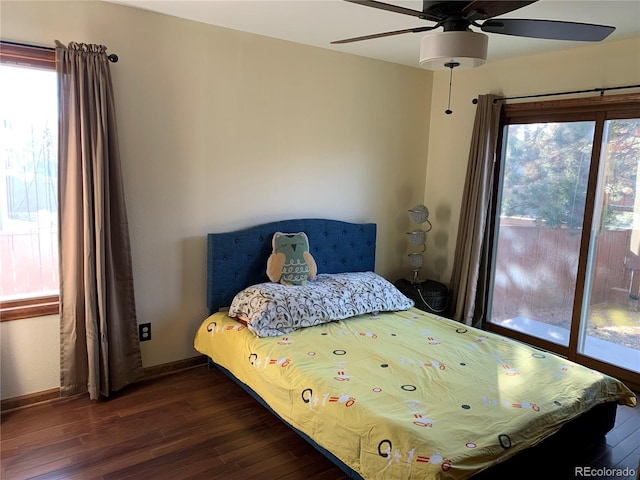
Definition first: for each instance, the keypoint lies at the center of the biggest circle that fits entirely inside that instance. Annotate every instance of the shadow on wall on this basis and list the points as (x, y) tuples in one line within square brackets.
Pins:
[(10, 383), (404, 201), (174, 328), (440, 244), (193, 295)]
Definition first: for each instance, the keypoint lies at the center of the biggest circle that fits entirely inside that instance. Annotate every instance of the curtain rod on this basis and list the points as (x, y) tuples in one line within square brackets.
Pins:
[(113, 58), (592, 90)]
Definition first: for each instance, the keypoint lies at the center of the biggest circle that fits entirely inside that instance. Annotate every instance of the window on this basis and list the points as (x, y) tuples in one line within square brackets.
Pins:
[(28, 182), (566, 231)]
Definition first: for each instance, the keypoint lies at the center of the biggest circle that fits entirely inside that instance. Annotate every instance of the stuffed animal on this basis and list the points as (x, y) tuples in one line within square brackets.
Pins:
[(291, 263)]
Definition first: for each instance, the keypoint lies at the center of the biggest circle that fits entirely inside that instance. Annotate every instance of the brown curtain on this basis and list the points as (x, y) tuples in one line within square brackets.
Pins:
[(470, 266), (99, 349)]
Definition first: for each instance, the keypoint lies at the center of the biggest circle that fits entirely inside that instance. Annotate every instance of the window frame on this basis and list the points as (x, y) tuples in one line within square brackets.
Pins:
[(41, 305), (598, 109)]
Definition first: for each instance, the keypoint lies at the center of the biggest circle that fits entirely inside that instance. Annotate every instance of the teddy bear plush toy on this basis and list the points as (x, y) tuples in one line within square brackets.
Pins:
[(291, 263)]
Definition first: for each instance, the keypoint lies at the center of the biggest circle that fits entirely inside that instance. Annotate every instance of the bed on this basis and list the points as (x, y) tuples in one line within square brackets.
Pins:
[(393, 392)]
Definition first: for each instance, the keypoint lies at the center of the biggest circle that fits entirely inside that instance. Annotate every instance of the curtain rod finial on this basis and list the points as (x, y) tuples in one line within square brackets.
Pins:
[(113, 58)]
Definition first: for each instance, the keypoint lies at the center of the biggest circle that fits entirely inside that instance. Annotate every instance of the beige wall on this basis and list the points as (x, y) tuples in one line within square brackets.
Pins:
[(29, 356), (220, 130), (217, 127), (593, 66)]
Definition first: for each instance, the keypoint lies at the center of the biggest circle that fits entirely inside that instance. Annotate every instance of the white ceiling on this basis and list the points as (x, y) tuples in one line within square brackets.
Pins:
[(318, 22)]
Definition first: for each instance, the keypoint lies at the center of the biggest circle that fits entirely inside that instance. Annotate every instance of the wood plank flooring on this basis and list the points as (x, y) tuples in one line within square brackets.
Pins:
[(198, 424)]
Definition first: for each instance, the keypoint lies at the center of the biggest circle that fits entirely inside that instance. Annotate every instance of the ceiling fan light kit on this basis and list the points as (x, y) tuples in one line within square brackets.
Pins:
[(459, 47), (458, 44), (438, 50)]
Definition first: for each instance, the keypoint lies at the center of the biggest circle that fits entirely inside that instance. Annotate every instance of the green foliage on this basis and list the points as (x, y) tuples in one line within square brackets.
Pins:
[(547, 168)]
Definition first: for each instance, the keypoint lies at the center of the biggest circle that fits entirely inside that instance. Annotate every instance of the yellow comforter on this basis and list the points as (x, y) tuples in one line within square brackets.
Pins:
[(409, 395)]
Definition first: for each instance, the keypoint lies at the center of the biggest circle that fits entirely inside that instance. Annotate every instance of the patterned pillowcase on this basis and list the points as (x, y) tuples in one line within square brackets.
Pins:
[(273, 309)]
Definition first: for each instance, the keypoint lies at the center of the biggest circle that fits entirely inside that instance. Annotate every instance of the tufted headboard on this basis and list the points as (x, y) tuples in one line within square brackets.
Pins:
[(238, 259)]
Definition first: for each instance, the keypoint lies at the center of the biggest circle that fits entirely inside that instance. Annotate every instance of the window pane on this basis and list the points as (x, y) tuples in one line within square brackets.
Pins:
[(546, 167), (28, 182), (610, 324)]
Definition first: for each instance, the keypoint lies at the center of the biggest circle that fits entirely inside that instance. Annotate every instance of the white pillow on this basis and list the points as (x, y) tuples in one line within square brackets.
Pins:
[(272, 309)]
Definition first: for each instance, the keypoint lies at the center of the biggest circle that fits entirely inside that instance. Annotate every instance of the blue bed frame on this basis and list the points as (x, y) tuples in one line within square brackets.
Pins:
[(238, 259)]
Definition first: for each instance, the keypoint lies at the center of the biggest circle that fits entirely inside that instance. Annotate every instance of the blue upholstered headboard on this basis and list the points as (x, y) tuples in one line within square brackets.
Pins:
[(238, 259)]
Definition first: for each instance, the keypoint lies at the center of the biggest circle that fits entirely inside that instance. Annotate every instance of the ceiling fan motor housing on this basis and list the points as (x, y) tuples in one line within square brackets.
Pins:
[(458, 46), (438, 50)]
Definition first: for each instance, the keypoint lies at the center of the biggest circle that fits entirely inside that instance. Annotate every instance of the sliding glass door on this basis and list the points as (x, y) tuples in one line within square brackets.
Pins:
[(544, 184), (610, 317), (565, 250)]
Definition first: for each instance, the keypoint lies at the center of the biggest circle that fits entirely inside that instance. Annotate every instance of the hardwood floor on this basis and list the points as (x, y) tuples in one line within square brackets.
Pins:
[(198, 424)]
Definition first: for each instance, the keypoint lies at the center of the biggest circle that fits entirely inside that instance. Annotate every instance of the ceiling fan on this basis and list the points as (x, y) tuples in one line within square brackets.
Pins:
[(457, 46), (468, 48)]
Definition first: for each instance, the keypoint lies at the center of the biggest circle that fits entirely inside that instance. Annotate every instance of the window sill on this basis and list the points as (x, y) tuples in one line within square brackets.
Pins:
[(29, 308)]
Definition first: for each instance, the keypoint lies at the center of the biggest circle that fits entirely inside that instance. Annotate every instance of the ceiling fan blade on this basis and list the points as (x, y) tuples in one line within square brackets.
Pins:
[(385, 34), (548, 29), (483, 9), (394, 8)]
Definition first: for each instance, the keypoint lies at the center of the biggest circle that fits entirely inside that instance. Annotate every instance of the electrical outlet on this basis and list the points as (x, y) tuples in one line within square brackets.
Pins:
[(144, 332)]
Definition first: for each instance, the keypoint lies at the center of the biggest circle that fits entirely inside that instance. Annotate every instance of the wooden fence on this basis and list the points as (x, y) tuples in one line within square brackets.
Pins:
[(537, 268), (29, 263)]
